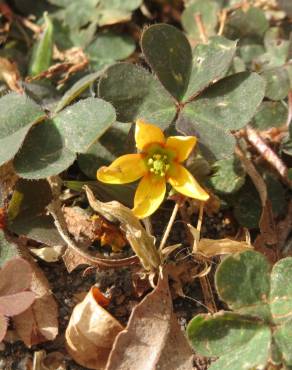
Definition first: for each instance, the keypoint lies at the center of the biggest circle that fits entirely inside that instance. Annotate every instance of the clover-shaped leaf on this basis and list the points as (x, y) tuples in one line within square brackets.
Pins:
[(173, 65), (72, 130), (18, 113), (205, 106), (261, 300), (135, 92)]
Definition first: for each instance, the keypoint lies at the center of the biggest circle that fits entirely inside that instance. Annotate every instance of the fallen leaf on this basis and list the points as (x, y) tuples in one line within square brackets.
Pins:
[(9, 73), (212, 247), (141, 242), (85, 227), (91, 332), (39, 323), (74, 255), (50, 361), (49, 254), (152, 338), (15, 280)]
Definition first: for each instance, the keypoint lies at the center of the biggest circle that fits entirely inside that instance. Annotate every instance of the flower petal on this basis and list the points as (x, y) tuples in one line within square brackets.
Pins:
[(146, 134), (181, 145), (183, 182), (149, 195), (125, 169)]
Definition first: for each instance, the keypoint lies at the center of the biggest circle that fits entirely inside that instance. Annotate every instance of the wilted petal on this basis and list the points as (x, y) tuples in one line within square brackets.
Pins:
[(183, 182), (125, 169), (149, 195), (181, 145), (146, 134)]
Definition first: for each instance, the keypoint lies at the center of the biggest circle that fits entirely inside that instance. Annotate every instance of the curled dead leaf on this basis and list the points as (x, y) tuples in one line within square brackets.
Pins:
[(141, 242), (212, 247), (91, 332)]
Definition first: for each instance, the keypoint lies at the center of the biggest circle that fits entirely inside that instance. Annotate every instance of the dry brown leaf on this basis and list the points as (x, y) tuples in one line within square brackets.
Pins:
[(153, 338), (141, 242), (50, 361), (74, 255), (85, 228), (212, 247), (40, 322), (91, 332), (10, 74)]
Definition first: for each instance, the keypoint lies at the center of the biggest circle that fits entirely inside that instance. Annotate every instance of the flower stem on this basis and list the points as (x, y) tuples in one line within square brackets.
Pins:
[(169, 226)]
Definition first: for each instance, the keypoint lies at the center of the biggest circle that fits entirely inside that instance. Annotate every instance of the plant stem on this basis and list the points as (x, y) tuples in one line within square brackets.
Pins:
[(169, 226)]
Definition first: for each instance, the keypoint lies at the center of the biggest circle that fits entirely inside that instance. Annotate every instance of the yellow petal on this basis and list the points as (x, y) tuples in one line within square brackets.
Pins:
[(183, 182), (149, 195), (127, 168), (146, 134), (181, 145)]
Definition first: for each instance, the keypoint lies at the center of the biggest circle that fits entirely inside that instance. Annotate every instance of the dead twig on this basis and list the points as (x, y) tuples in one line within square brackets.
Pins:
[(201, 28), (267, 153)]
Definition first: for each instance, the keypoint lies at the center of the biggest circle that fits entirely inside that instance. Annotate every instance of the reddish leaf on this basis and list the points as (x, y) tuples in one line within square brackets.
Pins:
[(15, 276), (15, 304), (3, 327)]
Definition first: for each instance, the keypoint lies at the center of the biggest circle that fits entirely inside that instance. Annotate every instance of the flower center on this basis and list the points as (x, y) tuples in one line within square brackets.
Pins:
[(158, 164)]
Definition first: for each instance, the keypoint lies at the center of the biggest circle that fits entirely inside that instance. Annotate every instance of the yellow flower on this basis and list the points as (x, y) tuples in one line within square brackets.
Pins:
[(157, 162)]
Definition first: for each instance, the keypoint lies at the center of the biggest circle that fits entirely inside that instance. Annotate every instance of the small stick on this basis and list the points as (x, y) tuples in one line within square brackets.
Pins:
[(223, 17), (204, 281), (201, 28), (289, 117), (169, 226), (267, 153)]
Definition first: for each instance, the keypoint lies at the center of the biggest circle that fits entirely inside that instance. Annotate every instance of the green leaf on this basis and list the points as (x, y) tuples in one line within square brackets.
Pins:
[(81, 124), (77, 89), (135, 93), (109, 47), (276, 46), (247, 206), (215, 142), (281, 291), (43, 153), (211, 62), (242, 24), (169, 54), (277, 83), (270, 114), (17, 114), (231, 102), (7, 250), (229, 176), (208, 10), (283, 338), (31, 219), (235, 333), (243, 282), (255, 354), (43, 49), (115, 11)]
